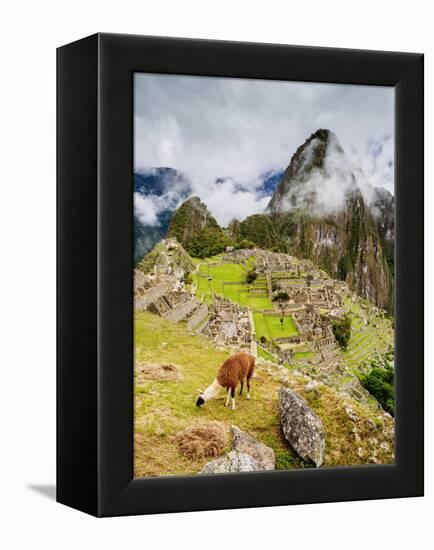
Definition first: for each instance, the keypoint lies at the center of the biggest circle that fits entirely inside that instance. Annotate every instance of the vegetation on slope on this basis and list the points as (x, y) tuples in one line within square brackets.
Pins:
[(260, 230), (342, 331), (165, 408)]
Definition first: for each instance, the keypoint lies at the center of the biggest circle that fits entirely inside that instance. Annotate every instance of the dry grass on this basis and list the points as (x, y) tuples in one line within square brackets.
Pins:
[(207, 439), (145, 371)]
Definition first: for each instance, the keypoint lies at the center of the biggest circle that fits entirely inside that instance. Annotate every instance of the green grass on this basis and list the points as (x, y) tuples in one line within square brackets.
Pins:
[(259, 303), (270, 326), (163, 408), (366, 340), (212, 278), (265, 355), (225, 272), (275, 328), (303, 355)]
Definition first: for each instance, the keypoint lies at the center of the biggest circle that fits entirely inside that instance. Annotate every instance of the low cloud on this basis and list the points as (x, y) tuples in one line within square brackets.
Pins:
[(146, 209), (227, 202), (324, 190), (224, 133)]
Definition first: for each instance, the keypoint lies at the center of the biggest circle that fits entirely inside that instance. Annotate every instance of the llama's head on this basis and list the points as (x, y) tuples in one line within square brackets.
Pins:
[(200, 399)]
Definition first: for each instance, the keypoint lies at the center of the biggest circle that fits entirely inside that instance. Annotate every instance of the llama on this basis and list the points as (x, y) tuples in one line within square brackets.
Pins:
[(234, 370)]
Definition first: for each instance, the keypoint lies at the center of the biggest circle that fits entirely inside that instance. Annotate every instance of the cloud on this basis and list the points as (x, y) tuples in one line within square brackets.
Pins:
[(324, 190), (146, 209), (227, 202), (235, 130)]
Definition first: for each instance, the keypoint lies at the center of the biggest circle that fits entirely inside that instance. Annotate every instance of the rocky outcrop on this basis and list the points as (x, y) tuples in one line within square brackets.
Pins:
[(246, 444), (301, 426), (232, 462), (382, 207)]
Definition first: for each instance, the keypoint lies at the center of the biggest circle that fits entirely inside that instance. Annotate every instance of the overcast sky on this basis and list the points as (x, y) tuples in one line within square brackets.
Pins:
[(238, 129)]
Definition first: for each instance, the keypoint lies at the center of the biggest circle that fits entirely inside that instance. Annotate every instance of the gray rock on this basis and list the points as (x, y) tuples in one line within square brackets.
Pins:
[(301, 426), (350, 413), (313, 385), (246, 444), (232, 462)]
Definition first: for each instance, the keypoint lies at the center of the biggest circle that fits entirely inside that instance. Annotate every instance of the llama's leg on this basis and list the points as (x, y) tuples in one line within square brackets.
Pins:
[(227, 397), (241, 388), (233, 397), (248, 388)]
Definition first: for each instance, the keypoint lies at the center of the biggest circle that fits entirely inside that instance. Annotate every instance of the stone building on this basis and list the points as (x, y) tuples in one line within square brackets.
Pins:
[(229, 324)]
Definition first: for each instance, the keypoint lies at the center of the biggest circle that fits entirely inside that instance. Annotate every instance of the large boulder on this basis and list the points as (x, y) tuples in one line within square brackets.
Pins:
[(246, 444), (232, 462), (301, 426)]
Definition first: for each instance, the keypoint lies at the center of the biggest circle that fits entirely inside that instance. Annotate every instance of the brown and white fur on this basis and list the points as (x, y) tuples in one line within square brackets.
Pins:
[(234, 370)]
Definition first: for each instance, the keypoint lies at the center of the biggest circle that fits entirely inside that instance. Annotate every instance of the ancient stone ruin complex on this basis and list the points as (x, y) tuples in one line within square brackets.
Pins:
[(229, 324)]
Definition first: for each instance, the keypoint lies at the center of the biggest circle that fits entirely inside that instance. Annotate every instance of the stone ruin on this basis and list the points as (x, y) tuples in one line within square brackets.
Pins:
[(161, 295), (229, 324)]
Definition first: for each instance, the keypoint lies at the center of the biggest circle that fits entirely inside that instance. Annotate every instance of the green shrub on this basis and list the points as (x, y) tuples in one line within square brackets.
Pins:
[(251, 276), (380, 383), (280, 295), (244, 243), (207, 242), (342, 331)]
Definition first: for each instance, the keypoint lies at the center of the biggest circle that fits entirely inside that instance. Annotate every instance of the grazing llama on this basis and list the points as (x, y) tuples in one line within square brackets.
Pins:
[(234, 370)]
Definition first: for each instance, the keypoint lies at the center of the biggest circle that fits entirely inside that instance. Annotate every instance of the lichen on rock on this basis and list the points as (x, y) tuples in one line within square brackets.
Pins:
[(245, 443), (232, 462), (302, 428)]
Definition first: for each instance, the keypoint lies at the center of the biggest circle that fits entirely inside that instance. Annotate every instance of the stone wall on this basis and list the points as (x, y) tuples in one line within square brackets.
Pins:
[(180, 312), (152, 295), (197, 317)]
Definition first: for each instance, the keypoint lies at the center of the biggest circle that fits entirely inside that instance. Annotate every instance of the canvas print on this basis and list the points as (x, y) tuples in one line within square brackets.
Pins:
[(263, 275)]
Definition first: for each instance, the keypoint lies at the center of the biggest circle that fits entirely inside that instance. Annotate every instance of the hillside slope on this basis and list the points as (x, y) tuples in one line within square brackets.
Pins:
[(356, 433)]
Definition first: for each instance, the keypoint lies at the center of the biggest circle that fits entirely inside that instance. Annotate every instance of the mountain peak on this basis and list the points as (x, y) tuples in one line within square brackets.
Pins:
[(318, 177), (323, 134), (193, 215), (195, 202)]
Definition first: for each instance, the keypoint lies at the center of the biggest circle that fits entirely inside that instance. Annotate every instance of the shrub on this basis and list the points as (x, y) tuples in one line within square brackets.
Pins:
[(244, 243), (207, 242), (342, 331), (251, 276), (380, 383), (280, 295)]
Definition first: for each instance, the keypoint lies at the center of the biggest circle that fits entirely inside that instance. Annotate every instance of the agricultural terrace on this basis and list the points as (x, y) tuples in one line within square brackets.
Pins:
[(370, 333)]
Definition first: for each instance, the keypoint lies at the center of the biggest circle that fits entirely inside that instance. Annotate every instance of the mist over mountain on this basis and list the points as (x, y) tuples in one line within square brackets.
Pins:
[(330, 213), (323, 208), (158, 192)]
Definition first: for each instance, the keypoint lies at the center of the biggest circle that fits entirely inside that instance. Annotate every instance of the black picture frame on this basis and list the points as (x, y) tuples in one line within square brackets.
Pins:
[(95, 285)]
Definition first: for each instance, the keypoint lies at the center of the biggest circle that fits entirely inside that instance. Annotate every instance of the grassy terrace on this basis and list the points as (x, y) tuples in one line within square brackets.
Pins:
[(211, 278), (366, 339), (270, 326)]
